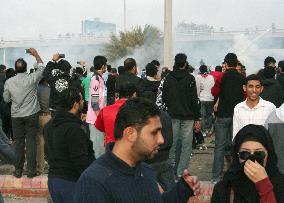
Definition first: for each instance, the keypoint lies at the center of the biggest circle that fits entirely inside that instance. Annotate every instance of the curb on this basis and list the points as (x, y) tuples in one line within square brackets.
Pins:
[(37, 187), (24, 187)]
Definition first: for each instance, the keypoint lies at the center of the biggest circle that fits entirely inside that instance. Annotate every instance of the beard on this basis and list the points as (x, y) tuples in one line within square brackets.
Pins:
[(143, 151)]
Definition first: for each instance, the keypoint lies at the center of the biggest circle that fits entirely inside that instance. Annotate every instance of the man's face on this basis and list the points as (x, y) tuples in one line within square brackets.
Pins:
[(239, 68), (149, 139), (272, 64), (80, 105), (224, 67), (104, 68), (135, 70), (253, 89)]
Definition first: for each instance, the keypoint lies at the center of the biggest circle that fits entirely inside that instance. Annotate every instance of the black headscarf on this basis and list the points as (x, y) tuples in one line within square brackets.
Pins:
[(244, 189)]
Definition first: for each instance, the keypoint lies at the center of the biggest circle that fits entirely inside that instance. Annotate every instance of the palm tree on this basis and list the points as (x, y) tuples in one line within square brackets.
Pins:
[(147, 41)]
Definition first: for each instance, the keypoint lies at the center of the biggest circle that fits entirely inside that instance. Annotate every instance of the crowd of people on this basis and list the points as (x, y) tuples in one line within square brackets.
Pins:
[(109, 135)]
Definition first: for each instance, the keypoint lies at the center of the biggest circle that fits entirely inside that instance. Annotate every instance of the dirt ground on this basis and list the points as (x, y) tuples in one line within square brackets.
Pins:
[(200, 163)]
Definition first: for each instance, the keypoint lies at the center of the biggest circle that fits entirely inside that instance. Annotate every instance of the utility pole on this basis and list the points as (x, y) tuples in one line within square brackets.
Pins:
[(4, 56), (168, 34), (124, 16)]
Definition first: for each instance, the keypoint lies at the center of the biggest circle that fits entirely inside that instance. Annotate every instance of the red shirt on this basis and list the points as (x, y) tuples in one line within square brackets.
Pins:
[(216, 88), (106, 118)]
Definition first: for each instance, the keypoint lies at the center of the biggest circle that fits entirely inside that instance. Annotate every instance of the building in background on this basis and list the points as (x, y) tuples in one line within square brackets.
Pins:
[(97, 27)]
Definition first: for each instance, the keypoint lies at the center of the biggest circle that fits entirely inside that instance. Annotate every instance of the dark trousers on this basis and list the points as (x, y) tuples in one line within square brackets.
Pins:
[(223, 145), (7, 151), (61, 191), (206, 115), (165, 174), (1, 198), (25, 131)]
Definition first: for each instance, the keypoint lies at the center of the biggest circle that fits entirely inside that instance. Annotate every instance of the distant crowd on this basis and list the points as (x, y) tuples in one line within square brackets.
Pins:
[(109, 135)]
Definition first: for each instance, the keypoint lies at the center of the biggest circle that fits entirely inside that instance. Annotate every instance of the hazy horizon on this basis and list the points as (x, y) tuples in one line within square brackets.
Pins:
[(30, 18)]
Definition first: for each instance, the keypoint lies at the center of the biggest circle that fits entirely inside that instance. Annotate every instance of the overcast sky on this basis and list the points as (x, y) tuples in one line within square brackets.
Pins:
[(29, 18)]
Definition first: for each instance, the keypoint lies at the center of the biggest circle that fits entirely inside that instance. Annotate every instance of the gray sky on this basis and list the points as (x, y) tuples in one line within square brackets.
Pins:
[(29, 18)]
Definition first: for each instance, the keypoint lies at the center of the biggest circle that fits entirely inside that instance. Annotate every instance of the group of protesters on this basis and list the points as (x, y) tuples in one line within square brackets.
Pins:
[(109, 135)]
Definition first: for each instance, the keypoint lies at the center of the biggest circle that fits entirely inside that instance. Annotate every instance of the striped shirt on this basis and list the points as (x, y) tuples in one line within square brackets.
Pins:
[(244, 115)]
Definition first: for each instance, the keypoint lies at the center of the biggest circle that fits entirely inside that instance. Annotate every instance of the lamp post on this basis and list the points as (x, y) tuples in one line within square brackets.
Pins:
[(124, 16), (168, 34)]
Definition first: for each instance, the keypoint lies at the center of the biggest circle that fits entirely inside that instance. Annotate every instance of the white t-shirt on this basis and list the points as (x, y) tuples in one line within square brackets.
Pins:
[(204, 85)]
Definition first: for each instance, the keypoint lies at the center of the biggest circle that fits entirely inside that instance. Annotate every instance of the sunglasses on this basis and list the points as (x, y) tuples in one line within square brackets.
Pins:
[(245, 155)]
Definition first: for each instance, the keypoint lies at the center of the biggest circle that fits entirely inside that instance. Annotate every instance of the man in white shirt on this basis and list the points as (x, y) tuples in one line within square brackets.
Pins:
[(204, 84), (254, 110)]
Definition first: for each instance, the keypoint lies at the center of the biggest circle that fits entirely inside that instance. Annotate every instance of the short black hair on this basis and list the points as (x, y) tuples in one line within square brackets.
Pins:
[(68, 98), (79, 70), (129, 64), (203, 69), (2, 68), (281, 65), (231, 60), (64, 65), (108, 68), (99, 61), (151, 70), (126, 90), (218, 68), (155, 63), (253, 77), (268, 60), (113, 70), (20, 65), (180, 60), (92, 69), (120, 70), (10, 72), (134, 112)]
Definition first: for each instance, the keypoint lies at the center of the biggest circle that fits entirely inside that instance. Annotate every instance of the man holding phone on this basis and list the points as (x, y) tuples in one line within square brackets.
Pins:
[(21, 90)]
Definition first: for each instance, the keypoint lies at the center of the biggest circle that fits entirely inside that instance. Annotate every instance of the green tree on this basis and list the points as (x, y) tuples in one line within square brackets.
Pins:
[(147, 40)]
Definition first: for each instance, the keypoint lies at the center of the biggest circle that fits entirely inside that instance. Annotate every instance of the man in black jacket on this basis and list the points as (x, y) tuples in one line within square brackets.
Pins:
[(151, 82), (280, 77), (68, 149), (231, 93), (179, 96), (129, 76), (272, 90), (57, 74)]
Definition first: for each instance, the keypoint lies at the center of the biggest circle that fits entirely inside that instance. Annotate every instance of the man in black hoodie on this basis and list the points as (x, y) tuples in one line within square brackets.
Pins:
[(151, 82), (272, 90), (179, 96), (57, 74), (68, 149)]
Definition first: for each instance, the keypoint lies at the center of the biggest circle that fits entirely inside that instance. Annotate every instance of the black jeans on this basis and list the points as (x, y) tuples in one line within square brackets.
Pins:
[(7, 152), (25, 132)]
